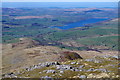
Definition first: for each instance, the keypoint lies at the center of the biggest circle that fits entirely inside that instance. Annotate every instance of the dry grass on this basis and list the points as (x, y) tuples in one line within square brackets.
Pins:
[(30, 17), (22, 56)]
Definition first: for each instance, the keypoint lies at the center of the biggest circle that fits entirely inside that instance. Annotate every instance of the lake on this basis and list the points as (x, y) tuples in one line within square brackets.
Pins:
[(80, 23)]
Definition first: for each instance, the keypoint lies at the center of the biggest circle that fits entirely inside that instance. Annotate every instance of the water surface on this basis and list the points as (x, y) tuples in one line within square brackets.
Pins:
[(80, 23)]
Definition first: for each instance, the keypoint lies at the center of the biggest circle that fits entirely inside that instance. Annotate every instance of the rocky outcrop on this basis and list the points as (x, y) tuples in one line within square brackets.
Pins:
[(51, 62), (80, 68)]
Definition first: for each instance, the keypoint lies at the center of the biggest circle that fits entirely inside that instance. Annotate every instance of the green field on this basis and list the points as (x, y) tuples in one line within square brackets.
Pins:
[(98, 34)]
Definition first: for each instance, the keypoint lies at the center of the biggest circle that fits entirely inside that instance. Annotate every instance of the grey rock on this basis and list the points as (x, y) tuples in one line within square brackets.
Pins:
[(40, 65), (80, 70), (93, 60), (73, 62), (115, 57), (76, 70), (47, 64), (89, 60), (45, 77), (101, 69), (83, 76), (110, 65), (61, 71), (64, 67), (81, 66), (49, 71), (91, 69), (60, 75), (97, 61), (9, 75), (78, 63), (40, 72), (53, 75), (105, 56)]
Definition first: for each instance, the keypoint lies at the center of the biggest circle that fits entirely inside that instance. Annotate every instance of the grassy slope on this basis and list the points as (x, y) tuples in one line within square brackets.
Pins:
[(104, 34), (75, 74)]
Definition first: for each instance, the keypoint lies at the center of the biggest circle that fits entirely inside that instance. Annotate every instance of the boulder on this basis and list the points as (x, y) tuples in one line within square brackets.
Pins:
[(101, 69), (81, 66), (83, 76), (91, 69), (73, 63), (46, 77), (64, 67), (61, 71), (49, 71)]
